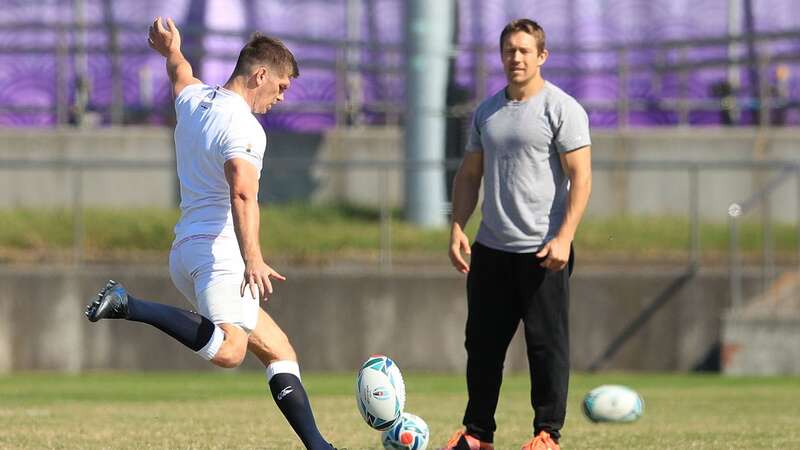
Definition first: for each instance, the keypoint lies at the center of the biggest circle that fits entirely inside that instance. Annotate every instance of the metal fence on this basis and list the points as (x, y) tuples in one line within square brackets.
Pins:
[(759, 202), (776, 173), (670, 82)]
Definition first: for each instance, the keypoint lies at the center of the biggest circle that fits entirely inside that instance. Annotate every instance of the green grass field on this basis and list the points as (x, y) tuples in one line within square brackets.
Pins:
[(321, 233), (234, 411)]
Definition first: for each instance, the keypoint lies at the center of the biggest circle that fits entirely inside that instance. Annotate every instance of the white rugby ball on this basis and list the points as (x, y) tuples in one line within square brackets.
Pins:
[(613, 403), (409, 433), (380, 392)]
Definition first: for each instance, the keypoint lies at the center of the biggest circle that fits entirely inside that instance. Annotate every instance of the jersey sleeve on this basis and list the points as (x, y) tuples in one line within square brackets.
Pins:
[(474, 137), (246, 140), (573, 127), (184, 99)]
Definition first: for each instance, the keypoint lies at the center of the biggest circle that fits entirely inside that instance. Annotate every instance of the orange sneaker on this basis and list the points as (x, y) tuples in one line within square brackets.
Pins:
[(463, 441), (542, 441)]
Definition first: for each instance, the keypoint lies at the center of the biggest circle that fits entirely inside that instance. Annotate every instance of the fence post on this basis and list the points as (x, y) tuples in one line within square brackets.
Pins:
[(340, 90), (764, 97), (768, 265), (77, 215), (62, 96), (623, 106), (386, 219), (797, 212), (694, 217), (683, 87), (117, 96), (735, 272)]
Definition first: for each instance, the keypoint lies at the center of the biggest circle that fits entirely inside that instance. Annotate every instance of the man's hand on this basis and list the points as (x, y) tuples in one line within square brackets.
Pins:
[(164, 40), (257, 275), (459, 242), (167, 42), (555, 253)]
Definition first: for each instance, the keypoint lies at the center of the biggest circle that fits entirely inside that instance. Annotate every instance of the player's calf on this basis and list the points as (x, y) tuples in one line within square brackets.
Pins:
[(187, 327)]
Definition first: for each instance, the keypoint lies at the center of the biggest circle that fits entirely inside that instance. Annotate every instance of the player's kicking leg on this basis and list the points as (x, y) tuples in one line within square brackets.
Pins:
[(270, 344), (223, 344)]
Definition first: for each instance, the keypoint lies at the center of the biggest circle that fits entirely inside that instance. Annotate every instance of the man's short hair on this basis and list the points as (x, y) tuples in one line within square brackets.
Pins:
[(526, 26), (267, 51)]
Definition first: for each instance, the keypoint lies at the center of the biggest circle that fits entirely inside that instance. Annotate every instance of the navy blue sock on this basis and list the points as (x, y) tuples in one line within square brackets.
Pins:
[(187, 327), (291, 398)]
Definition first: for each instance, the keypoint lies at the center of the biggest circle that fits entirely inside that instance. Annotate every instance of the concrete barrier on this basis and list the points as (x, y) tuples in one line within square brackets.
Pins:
[(762, 336), (765, 345), (335, 319), (650, 192)]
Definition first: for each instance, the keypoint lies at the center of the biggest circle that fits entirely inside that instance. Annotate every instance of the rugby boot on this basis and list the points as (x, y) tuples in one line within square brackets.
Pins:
[(463, 441), (541, 441), (111, 303)]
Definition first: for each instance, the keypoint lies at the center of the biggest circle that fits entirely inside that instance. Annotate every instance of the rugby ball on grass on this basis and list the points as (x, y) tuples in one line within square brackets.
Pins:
[(380, 392), (409, 433), (613, 403)]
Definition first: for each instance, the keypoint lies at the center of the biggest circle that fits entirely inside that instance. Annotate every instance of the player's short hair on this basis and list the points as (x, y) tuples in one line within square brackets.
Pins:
[(268, 51), (526, 26)]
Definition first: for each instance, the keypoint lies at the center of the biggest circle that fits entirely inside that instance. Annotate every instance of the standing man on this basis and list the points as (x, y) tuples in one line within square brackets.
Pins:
[(530, 144), (216, 260)]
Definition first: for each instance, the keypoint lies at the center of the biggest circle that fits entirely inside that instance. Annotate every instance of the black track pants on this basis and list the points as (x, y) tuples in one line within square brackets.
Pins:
[(502, 289)]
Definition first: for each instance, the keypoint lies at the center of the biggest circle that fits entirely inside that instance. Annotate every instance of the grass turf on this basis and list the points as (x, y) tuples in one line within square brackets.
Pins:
[(233, 410), (304, 232)]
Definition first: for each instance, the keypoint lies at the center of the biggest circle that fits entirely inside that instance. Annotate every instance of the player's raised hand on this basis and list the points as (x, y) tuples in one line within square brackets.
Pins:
[(164, 39), (459, 242), (257, 276), (555, 253)]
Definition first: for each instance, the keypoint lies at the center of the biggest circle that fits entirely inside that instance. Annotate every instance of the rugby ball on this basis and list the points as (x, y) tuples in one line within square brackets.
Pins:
[(380, 392), (613, 403), (409, 433)]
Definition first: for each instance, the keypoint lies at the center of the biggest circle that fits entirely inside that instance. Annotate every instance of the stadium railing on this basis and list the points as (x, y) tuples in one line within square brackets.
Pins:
[(640, 79)]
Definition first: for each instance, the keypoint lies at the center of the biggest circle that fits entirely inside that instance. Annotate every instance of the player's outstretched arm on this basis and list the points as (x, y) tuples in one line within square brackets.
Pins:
[(167, 42)]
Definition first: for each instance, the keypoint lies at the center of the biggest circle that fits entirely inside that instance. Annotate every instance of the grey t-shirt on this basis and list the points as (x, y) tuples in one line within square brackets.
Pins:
[(525, 188)]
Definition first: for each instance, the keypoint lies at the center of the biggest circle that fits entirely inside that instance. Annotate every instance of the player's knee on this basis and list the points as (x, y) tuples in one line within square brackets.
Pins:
[(286, 353), (230, 362), (233, 349), (229, 358), (284, 350)]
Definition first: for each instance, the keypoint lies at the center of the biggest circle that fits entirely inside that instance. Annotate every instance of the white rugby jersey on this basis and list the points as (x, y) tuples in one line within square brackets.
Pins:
[(213, 126)]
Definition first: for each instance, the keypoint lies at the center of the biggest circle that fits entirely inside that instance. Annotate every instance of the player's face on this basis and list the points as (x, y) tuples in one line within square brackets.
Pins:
[(521, 58), (271, 91)]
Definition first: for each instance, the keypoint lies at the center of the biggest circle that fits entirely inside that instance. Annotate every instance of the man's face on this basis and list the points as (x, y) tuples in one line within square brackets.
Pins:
[(521, 58), (271, 87)]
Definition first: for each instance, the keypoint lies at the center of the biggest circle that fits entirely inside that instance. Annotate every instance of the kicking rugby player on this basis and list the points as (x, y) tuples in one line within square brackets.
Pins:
[(216, 260)]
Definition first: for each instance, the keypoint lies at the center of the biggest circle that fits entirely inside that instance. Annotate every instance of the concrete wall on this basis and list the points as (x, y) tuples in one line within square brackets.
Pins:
[(660, 192), (361, 185), (56, 187), (657, 192), (615, 191), (337, 318), (761, 345)]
